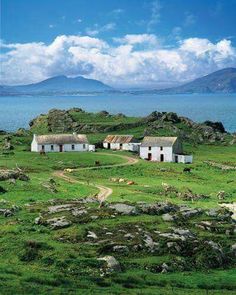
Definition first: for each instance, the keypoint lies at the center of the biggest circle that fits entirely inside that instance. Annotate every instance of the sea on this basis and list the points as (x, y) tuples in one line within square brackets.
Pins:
[(17, 111)]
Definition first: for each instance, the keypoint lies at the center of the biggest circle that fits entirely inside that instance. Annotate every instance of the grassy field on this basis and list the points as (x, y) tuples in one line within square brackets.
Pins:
[(35, 259)]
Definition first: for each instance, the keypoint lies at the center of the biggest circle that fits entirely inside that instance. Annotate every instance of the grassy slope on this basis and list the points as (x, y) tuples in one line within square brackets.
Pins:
[(63, 267)]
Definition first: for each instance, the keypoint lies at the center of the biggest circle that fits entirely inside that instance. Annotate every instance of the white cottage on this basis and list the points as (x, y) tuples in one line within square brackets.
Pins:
[(163, 149), (61, 143), (121, 142)]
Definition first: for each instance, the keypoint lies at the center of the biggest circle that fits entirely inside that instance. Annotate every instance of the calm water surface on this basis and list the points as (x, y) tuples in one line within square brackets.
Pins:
[(17, 111)]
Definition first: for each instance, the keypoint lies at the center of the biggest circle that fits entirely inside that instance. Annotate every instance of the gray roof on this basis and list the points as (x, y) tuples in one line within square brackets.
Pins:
[(61, 139), (158, 141), (119, 139)]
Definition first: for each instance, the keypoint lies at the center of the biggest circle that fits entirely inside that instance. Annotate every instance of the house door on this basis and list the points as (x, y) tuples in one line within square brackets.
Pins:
[(120, 146), (162, 158), (176, 159), (149, 156), (108, 145), (61, 148)]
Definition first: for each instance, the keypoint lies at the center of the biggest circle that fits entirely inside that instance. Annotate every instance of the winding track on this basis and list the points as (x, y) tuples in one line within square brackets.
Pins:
[(104, 191)]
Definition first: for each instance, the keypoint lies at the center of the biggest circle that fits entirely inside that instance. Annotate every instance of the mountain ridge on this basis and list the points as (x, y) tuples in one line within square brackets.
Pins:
[(59, 84), (221, 81)]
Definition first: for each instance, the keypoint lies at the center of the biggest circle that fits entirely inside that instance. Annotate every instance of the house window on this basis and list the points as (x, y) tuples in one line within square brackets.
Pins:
[(73, 147), (84, 146), (149, 148), (161, 148), (52, 147)]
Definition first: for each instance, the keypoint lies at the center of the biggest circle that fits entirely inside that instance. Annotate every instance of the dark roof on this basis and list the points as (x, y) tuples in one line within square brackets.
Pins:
[(119, 139), (158, 141), (61, 139)]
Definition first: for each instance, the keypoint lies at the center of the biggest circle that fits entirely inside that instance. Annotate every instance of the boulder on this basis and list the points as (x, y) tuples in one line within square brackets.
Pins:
[(111, 265), (58, 222), (120, 249), (78, 212), (91, 235), (150, 244), (188, 212), (157, 208), (124, 209), (13, 174), (168, 217), (59, 208)]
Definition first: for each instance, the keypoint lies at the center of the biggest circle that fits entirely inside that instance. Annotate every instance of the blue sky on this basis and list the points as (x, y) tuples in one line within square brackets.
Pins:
[(153, 42)]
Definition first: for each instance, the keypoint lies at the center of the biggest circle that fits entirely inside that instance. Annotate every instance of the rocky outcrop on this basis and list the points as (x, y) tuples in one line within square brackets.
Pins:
[(13, 174), (59, 121)]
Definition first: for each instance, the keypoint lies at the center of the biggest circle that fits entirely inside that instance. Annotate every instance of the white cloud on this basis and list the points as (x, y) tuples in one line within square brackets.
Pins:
[(96, 29), (189, 20), (138, 39), (117, 12), (120, 63), (155, 15)]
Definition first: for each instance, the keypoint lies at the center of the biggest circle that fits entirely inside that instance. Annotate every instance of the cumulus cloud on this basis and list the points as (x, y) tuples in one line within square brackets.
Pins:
[(132, 59)]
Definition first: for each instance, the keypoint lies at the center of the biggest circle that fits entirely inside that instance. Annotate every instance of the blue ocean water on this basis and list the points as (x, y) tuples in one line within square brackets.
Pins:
[(17, 111)]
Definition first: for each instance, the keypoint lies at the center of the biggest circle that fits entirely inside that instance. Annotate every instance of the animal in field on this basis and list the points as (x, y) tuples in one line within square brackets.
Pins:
[(97, 163), (42, 153), (187, 169)]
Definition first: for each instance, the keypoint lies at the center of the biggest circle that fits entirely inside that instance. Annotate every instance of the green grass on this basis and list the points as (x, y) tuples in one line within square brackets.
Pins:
[(61, 262)]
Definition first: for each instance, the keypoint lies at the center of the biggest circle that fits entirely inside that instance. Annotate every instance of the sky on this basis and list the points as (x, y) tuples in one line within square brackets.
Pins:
[(135, 43)]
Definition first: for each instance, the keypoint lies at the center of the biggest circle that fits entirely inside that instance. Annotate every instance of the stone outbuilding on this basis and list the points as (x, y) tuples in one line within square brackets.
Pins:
[(163, 149), (121, 142), (61, 143)]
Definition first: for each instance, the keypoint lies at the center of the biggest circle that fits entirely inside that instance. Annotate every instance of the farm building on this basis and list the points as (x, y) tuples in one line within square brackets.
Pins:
[(61, 143), (163, 149), (121, 142)]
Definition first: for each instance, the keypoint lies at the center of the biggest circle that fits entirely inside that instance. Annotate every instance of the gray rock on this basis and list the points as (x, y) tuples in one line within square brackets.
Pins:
[(168, 217), (182, 232), (157, 209), (172, 236), (120, 249), (124, 209), (150, 244), (174, 247), (129, 236), (60, 208), (77, 212), (112, 265), (188, 212), (38, 220), (165, 268), (92, 235), (6, 212), (58, 222)]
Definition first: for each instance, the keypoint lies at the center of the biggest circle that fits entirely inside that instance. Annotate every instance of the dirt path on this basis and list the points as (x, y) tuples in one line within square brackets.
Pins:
[(104, 191)]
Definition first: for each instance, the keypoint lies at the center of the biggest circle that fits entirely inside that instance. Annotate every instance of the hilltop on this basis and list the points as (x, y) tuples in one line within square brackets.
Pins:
[(102, 123)]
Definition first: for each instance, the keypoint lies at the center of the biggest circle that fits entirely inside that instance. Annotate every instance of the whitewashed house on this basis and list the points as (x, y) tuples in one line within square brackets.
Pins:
[(61, 143), (163, 149), (121, 142)]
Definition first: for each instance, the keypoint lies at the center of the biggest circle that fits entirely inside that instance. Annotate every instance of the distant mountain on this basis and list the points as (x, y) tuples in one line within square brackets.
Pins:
[(222, 81), (58, 84)]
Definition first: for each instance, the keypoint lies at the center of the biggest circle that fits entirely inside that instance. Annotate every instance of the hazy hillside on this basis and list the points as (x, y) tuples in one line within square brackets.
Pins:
[(220, 81), (59, 84)]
